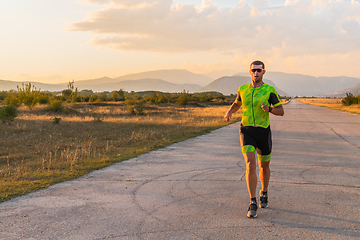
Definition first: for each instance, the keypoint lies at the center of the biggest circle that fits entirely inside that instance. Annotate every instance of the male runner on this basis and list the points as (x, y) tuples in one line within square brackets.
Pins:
[(256, 99)]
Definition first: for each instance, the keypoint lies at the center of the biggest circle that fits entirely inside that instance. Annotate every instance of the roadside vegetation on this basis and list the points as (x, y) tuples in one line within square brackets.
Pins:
[(49, 137), (350, 103)]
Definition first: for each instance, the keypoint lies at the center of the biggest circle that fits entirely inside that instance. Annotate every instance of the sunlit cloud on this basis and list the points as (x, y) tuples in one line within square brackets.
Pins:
[(297, 28)]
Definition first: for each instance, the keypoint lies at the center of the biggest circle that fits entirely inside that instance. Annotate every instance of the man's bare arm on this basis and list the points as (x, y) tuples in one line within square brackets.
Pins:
[(233, 108)]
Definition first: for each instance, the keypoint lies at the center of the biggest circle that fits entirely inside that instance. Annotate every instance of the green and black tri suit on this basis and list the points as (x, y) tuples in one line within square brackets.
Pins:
[(255, 133)]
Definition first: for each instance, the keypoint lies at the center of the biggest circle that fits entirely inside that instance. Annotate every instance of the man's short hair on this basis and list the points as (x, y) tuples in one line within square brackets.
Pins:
[(257, 62)]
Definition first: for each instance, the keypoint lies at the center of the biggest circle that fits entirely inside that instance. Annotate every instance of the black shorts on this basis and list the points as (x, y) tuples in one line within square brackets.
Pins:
[(257, 140)]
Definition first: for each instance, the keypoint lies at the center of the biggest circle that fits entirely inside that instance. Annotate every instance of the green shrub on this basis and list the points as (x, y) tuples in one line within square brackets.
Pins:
[(140, 108), (12, 99), (349, 100), (43, 98), (184, 98), (28, 95), (8, 113), (117, 95), (55, 105), (131, 109), (92, 98)]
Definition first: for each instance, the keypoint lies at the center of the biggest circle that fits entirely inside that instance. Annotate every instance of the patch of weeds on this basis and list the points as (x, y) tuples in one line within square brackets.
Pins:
[(97, 117), (56, 120)]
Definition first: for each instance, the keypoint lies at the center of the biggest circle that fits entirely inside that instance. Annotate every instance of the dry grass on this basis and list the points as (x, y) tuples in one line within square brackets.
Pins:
[(332, 103), (35, 152), (285, 101)]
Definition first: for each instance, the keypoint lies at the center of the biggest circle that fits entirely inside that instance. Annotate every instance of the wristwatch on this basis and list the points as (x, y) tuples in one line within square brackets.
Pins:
[(270, 109)]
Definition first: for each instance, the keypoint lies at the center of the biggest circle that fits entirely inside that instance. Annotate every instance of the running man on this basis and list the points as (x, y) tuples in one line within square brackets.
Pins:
[(257, 100)]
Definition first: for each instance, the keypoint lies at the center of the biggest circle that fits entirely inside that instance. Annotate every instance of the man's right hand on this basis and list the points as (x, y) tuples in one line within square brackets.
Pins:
[(227, 116)]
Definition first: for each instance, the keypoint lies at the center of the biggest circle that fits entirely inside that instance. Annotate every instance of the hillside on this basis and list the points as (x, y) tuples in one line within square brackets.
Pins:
[(6, 85), (230, 85), (304, 85), (178, 76), (177, 80), (355, 90)]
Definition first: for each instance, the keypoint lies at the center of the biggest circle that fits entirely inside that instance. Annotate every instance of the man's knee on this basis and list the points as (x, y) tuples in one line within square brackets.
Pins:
[(251, 167), (250, 162), (264, 166)]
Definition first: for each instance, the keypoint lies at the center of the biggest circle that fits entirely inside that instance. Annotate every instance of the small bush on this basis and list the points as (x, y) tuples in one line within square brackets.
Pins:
[(349, 100), (140, 108), (8, 113), (55, 105), (56, 120), (131, 109), (184, 98), (92, 98), (12, 99), (43, 99)]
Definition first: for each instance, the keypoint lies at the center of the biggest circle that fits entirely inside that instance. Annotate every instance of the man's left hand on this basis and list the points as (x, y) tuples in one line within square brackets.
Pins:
[(265, 107)]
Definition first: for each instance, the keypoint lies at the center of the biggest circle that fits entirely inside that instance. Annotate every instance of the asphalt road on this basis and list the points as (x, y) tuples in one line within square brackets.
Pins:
[(196, 189)]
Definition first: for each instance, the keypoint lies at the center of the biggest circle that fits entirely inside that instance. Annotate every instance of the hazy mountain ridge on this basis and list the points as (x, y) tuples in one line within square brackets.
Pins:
[(177, 76), (304, 85), (355, 90), (178, 80), (6, 85), (230, 84)]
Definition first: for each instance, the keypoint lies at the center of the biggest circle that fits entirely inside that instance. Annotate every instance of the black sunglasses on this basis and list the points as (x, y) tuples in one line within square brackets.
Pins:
[(259, 70)]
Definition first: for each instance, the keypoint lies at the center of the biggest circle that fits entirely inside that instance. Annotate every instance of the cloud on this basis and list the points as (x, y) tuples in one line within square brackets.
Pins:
[(295, 28)]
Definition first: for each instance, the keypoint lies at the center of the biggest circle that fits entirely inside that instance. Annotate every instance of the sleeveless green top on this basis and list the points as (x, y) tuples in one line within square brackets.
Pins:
[(251, 100)]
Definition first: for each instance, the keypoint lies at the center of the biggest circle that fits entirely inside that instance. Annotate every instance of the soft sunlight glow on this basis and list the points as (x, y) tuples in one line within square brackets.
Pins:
[(86, 39)]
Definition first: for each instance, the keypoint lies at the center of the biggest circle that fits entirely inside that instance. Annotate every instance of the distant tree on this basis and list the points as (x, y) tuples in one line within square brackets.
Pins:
[(184, 98), (66, 93), (86, 92)]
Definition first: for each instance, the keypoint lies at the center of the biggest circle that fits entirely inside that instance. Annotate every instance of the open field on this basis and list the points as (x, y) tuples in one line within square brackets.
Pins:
[(332, 103), (35, 152), (41, 148)]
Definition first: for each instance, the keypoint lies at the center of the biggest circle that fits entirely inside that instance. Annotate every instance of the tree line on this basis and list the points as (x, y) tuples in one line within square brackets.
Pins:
[(30, 96)]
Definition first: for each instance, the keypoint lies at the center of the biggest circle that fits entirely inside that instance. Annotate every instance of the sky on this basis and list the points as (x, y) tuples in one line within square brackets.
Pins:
[(60, 40)]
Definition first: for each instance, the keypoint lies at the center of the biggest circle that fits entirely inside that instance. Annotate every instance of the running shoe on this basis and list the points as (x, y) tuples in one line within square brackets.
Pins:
[(263, 200), (252, 210)]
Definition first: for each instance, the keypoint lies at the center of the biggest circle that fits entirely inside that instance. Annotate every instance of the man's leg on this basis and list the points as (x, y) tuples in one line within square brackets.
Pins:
[(251, 178), (264, 174)]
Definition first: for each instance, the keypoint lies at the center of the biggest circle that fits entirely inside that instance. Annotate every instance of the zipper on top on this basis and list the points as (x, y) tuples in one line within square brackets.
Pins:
[(252, 105)]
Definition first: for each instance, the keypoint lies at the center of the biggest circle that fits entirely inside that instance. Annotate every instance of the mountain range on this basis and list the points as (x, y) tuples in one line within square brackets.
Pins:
[(177, 80)]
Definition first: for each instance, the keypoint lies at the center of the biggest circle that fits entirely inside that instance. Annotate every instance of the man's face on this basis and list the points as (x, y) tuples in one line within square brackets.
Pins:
[(257, 72)]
